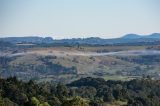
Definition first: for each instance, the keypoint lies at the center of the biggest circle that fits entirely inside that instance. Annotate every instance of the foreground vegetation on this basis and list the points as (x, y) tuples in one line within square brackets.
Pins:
[(84, 92)]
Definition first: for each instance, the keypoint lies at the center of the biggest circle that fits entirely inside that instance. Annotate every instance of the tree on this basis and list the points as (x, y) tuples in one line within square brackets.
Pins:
[(8, 102), (1, 101), (35, 101), (54, 101), (76, 101), (108, 97), (21, 98), (46, 104), (96, 102), (62, 90)]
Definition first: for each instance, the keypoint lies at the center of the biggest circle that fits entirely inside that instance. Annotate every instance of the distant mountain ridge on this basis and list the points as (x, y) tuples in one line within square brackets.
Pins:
[(129, 38), (29, 39), (135, 36)]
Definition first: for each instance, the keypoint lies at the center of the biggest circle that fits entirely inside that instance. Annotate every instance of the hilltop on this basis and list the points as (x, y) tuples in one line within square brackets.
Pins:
[(135, 36)]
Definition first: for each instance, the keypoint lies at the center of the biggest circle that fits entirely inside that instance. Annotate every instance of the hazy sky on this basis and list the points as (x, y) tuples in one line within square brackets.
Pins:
[(78, 18)]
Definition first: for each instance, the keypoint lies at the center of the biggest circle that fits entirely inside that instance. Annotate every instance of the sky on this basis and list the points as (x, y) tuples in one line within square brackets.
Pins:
[(78, 18)]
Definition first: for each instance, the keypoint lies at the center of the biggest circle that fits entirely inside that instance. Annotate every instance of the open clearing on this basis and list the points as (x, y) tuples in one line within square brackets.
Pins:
[(64, 53)]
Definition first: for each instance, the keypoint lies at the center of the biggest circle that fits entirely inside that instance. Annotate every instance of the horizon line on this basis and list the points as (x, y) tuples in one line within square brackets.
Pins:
[(44, 36)]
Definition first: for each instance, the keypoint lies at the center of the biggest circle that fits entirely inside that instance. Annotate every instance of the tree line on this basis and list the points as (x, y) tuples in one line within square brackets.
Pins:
[(83, 92)]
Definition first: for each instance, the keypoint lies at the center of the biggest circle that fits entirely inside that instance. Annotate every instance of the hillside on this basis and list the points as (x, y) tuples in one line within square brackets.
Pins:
[(56, 64)]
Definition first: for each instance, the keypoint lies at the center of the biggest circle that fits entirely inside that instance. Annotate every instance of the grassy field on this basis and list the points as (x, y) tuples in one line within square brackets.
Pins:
[(115, 103), (119, 77), (111, 48)]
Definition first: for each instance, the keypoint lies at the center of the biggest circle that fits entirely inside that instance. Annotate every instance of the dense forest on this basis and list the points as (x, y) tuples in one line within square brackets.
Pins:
[(83, 92)]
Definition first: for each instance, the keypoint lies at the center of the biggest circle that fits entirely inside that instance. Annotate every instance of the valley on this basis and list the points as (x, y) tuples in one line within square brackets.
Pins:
[(79, 52), (66, 64)]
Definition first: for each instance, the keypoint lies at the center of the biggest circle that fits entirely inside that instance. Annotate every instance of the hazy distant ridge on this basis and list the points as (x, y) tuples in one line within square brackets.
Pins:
[(129, 38), (135, 36), (29, 39)]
